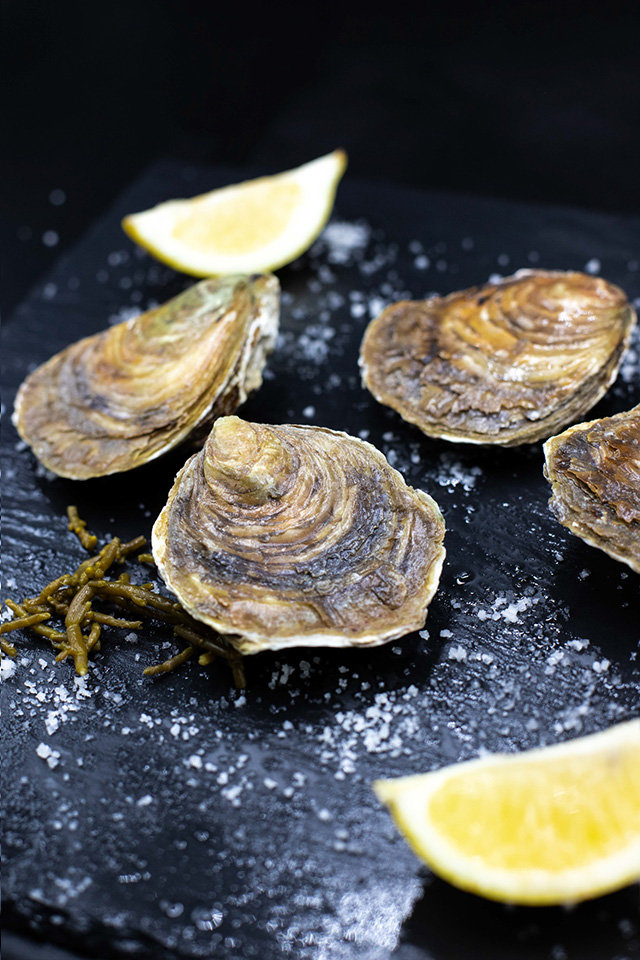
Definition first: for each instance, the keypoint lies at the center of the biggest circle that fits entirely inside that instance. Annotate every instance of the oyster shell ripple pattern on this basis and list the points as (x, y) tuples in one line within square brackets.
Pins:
[(506, 363), (594, 471), (282, 536), (124, 396)]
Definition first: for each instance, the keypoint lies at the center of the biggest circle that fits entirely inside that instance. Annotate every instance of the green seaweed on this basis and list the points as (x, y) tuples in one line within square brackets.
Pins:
[(70, 599)]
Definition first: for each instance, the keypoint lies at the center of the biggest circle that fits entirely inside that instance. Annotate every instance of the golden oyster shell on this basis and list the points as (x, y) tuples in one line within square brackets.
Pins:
[(594, 471), (122, 397), (282, 536), (505, 363)]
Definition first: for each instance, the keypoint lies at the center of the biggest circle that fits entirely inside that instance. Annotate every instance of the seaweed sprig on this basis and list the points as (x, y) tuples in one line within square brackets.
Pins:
[(71, 598)]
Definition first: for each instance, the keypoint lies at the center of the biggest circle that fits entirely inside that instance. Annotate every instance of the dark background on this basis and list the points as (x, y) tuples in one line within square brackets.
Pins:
[(531, 100)]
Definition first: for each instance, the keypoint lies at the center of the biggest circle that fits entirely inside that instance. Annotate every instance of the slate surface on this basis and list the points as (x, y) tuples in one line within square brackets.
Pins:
[(176, 818)]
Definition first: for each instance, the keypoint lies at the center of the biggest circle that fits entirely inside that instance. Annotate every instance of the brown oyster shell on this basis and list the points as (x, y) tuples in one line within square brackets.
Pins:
[(594, 471), (282, 536), (122, 397), (506, 363)]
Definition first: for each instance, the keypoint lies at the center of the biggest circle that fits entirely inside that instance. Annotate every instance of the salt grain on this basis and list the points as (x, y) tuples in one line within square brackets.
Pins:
[(457, 653), (342, 240), (7, 668)]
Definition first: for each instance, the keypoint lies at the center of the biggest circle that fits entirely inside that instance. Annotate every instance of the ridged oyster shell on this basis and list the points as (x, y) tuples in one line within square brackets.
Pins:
[(594, 471), (124, 396), (282, 536), (506, 363)]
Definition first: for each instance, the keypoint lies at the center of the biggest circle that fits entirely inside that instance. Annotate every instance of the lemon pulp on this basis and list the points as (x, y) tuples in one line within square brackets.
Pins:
[(550, 816), (258, 213)]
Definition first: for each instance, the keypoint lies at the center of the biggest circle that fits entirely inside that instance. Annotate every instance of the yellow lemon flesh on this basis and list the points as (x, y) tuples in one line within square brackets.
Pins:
[(249, 227), (549, 826)]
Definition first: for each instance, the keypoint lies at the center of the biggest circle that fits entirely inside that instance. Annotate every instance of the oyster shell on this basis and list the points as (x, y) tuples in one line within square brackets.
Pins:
[(505, 363), (122, 397), (594, 471), (282, 536)]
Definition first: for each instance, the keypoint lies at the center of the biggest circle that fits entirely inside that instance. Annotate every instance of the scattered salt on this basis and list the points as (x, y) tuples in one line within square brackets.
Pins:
[(52, 722), (578, 644), (630, 368), (342, 240), (7, 668), (457, 653), (453, 474), (376, 306)]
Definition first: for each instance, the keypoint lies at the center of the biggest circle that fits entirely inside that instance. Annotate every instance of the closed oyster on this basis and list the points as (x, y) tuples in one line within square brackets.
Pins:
[(594, 471), (506, 363), (122, 397), (282, 536)]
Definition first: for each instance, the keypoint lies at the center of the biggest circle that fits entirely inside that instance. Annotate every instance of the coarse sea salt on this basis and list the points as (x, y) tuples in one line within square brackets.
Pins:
[(505, 608), (458, 653), (342, 240), (630, 367), (453, 474), (7, 668)]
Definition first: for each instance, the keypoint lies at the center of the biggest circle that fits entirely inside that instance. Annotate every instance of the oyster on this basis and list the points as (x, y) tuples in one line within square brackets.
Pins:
[(506, 363), (594, 471), (282, 536), (122, 397)]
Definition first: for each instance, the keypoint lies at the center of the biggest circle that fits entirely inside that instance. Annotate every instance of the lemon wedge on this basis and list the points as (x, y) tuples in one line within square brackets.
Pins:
[(554, 825), (248, 227)]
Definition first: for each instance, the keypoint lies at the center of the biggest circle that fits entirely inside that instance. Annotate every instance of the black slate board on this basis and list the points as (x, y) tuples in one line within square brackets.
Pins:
[(178, 819)]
